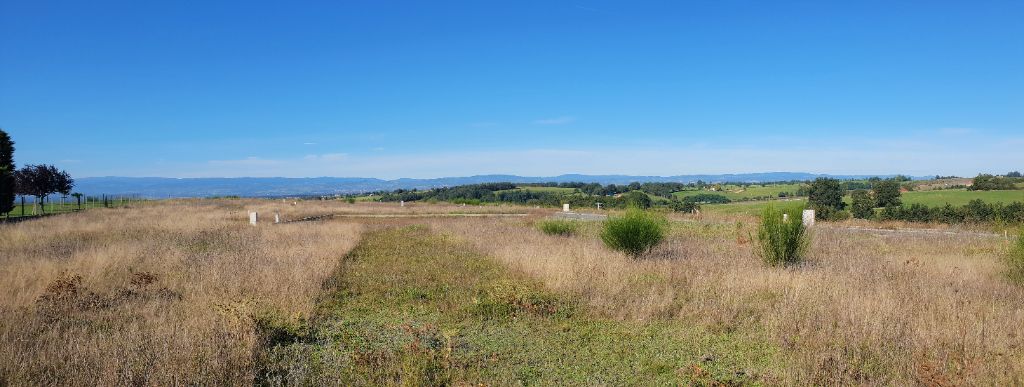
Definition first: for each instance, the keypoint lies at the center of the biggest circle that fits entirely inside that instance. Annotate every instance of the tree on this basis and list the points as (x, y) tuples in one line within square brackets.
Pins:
[(638, 199), (43, 180), (986, 182), (863, 206), (7, 181), (887, 193), (826, 196), (1013, 174)]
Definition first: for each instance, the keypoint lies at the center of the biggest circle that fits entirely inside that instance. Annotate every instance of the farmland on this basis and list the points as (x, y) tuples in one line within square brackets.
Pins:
[(957, 197), (960, 197), (150, 296), (741, 193)]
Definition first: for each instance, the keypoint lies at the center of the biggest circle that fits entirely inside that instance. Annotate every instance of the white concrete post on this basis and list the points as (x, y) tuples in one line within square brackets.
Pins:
[(785, 217), (565, 207), (401, 203), (253, 217), (808, 218), (277, 217)]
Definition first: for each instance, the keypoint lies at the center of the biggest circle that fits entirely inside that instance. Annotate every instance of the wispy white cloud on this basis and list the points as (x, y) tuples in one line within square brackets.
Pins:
[(309, 143), (328, 157), (555, 121)]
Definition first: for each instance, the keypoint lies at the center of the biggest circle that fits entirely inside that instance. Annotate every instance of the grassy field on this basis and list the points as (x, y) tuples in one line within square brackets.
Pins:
[(738, 193), (752, 207), (55, 208), (929, 198), (960, 197), (187, 292)]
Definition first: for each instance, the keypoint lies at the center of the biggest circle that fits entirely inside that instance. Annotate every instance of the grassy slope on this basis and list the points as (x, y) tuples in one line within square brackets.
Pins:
[(730, 191), (411, 307)]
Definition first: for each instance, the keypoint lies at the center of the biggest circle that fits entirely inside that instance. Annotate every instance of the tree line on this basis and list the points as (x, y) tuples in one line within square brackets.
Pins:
[(826, 198), (38, 180)]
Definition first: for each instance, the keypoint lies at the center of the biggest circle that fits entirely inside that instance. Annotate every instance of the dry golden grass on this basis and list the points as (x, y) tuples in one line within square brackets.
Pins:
[(864, 309), (165, 293), (160, 294)]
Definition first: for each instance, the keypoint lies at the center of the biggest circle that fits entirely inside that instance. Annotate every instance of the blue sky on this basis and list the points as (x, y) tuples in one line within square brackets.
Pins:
[(426, 89)]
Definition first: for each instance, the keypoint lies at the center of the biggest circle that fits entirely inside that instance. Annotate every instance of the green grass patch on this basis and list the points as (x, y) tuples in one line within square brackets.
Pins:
[(409, 307), (560, 227), (960, 197), (740, 193), (754, 208)]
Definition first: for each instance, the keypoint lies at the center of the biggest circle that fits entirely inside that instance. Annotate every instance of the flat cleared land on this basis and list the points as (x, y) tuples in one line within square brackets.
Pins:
[(187, 292)]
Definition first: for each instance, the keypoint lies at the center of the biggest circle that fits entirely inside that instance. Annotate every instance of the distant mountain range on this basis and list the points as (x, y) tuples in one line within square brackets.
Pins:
[(162, 187)]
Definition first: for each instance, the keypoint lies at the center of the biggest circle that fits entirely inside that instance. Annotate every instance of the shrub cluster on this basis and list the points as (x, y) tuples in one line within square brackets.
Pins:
[(781, 242), (558, 227), (977, 211), (635, 233), (986, 182)]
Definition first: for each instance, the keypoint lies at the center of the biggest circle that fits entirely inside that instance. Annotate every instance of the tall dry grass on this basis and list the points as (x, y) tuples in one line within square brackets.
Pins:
[(863, 309), (161, 294)]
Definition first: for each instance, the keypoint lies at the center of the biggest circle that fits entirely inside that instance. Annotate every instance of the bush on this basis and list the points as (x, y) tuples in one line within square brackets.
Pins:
[(558, 227), (1015, 260), (781, 242), (638, 199), (863, 206), (636, 233)]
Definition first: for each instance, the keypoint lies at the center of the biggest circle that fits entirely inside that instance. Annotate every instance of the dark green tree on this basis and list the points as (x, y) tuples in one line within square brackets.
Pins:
[(863, 206), (638, 199), (43, 180), (7, 181), (887, 193), (825, 195)]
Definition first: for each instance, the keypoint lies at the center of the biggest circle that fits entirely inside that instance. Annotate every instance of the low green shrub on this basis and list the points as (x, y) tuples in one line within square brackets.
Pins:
[(635, 233), (558, 227), (1015, 259), (781, 242)]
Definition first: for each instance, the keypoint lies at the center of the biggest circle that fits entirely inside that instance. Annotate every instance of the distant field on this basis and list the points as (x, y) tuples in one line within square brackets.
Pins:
[(928, 198), (960, 197), (542, 189), (752, 207), (737, 193)]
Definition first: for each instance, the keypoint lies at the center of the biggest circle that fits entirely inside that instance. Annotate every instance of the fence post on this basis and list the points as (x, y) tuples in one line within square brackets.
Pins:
[(22, 205)]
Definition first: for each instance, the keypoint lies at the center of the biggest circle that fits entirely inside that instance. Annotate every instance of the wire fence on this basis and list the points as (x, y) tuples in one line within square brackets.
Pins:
[(29, 206)]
